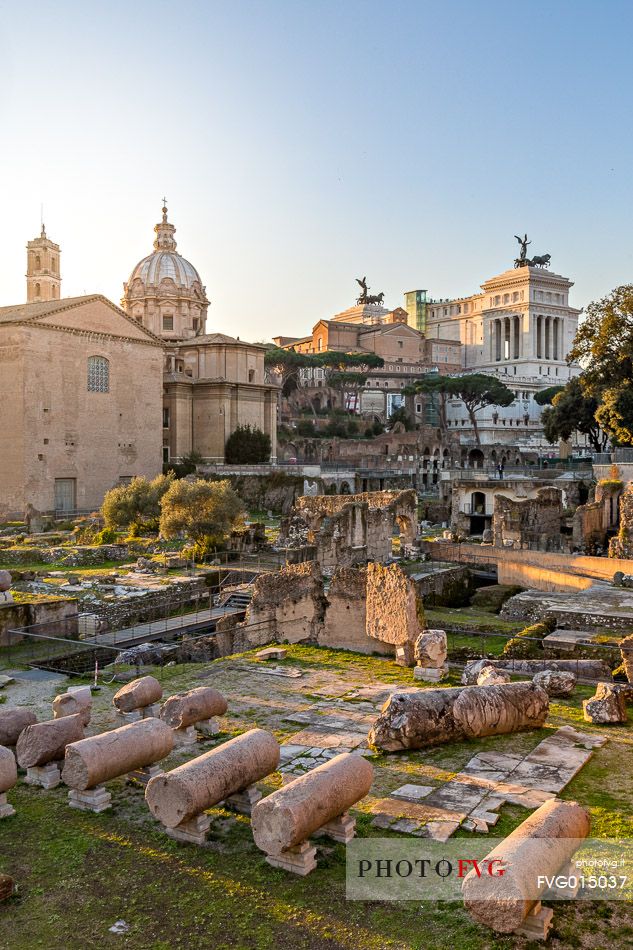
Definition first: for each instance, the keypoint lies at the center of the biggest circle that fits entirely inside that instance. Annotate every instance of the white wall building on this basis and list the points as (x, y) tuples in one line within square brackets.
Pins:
[(521, 328)]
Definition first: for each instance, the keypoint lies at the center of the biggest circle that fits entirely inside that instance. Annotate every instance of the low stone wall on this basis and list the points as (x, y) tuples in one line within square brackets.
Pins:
[(452, 587), (71, 557), (155, 604), (580, 565), (541, 578), (56, 618)]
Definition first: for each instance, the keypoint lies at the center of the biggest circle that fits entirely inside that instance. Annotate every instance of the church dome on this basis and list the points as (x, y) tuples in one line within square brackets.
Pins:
[(164, 291), (166, 267), (163, 265)]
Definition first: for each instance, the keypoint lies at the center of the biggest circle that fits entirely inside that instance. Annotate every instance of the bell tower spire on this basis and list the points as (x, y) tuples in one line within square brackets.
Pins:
[(43, 278)]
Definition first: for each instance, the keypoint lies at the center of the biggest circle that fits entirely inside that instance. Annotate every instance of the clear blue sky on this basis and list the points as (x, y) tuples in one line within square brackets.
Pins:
[(303, 144)]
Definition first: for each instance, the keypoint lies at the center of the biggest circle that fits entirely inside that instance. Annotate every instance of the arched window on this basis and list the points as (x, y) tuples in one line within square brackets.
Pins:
[(37, 290), (98, 374), (38, 262)]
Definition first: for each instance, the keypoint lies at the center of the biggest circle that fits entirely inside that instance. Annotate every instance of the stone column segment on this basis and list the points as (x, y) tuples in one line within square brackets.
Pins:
[(46, 742), (188, 790), (185, 709), (421, 718), (98, 759), (8, 769), (292, 813), (540, 846), (13, 721), (138, 693)]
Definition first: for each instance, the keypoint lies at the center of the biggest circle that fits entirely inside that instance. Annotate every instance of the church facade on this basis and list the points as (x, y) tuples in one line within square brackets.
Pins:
[(212, 382), (82, 384), (98, 394)]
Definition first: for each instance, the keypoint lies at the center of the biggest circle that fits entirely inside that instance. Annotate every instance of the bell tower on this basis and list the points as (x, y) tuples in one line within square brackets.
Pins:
[(43, 280)]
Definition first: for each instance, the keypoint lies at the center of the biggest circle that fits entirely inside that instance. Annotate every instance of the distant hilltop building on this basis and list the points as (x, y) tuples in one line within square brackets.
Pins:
[(520, 328)]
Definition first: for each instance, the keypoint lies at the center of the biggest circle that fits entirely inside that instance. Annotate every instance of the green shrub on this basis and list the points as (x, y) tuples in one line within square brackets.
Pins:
[(106, 536), (247, 445), (527, 645)]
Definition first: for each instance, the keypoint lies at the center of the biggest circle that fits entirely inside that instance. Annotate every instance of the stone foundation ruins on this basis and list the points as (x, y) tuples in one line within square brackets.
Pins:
[(372, 609), (347, 530)]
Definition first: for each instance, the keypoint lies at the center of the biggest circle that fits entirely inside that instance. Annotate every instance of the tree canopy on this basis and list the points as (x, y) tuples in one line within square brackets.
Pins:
[(571, 410), (545, 396), (604, 347), (137, 502), (476, 390), (205, 512), (247, 445)]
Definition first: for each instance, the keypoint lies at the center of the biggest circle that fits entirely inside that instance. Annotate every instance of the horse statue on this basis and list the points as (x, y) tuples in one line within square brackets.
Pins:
[(376, 298), (541, 261)]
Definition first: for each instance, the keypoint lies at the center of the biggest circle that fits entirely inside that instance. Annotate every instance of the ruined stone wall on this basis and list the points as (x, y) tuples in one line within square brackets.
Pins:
[(121, 612), (347, 530), (60, 616), (588, 527), (534, 521), (394, 610), (452, 587), (288, 604), (622, 546), (345, 620)]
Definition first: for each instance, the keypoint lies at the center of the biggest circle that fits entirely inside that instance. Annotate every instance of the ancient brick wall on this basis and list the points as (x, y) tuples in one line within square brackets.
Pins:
[(533, 522)]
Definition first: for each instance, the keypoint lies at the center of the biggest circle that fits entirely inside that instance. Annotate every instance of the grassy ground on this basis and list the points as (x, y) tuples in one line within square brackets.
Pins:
[(78, 873)]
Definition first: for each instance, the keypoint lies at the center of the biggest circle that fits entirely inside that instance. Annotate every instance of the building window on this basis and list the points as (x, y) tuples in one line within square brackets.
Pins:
[(38, 263), (165, 454), (98, 374), (37, 290), (168, 321), (251, 375), (165, 417)]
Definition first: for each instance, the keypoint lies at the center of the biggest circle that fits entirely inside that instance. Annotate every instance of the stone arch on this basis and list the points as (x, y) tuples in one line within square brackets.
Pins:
[(345, 489), (478, 503), (476, 458)]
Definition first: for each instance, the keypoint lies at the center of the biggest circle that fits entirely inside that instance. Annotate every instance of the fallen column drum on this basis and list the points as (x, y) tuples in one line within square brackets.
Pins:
[(186, 791), (98, 759), (539, 847)]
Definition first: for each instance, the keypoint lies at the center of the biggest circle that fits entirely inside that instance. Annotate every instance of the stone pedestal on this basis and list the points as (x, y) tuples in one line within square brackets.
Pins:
[(95, 799), (404, 654), (298, 860), (537, 924), (208, 727), (125, 718), (193, 831), (6, 810), (243, 801), (144, 712), (340, 829), (185, 737), (46, 776), (145, 774), (566, 893), (430, 674)]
